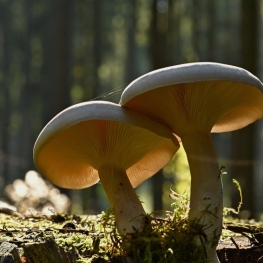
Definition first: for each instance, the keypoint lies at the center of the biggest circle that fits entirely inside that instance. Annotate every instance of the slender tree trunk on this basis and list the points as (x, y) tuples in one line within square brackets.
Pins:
[(211, 30), (162, 54), (25, 138), (97, 46), (197, 27), (243, 140), (131, 67), (173, 34), (57, 43), (158, 57), (158, 37), (57, 57), (91, 194), (5, 106), (233, 33)]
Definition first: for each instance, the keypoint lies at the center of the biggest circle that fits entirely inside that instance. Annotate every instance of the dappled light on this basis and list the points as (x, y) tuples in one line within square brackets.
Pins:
[(36, 196)]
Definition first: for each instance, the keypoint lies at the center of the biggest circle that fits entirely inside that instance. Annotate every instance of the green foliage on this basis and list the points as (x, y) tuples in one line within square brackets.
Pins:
[(240, 194)]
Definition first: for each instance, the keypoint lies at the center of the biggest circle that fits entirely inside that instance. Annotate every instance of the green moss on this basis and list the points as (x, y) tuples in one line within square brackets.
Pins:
[(94, 238), (168, 239)]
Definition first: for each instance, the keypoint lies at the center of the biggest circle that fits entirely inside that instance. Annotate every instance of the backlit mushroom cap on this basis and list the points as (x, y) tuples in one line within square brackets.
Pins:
[(75, 143), (98, 140), (219, 97)]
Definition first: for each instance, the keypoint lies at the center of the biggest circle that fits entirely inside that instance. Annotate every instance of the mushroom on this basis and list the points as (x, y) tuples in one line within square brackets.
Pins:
[(99, 140), (193, 100)]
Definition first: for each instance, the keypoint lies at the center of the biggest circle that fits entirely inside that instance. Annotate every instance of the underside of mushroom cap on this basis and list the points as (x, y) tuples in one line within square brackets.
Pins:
[(204, 96), (81, 139)]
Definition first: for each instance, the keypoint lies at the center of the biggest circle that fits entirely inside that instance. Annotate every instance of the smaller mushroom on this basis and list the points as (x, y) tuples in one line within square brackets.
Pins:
[(194, 100), (99, 140)]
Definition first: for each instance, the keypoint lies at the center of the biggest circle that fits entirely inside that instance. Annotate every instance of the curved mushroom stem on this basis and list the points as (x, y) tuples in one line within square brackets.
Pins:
[(206, 199), (128, 209)]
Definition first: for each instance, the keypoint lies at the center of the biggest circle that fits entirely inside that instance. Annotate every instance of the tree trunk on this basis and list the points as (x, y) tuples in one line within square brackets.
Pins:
[(131, 67), (56, 81), (162, 54), (25, 138), (57, 42), (5, 106), (243, 140), (97, 46), (211, 30)]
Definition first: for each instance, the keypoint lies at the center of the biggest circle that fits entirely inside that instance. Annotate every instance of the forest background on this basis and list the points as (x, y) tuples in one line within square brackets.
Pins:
[(55, 53)]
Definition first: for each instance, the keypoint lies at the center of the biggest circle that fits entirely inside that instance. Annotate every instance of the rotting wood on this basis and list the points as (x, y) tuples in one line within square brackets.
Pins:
[(240, 250), (9, 253), (47, 252)]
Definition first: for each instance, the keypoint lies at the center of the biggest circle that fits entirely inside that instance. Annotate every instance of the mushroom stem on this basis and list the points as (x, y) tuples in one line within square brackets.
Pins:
[(206, 200), (128, 209)]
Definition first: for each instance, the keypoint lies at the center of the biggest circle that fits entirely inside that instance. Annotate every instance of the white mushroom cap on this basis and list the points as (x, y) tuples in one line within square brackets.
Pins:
[(80, 139), (229, 97)]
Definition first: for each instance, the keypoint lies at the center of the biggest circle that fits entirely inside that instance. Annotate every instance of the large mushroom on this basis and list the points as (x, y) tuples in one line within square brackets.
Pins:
[(98, 140), (193, 100)]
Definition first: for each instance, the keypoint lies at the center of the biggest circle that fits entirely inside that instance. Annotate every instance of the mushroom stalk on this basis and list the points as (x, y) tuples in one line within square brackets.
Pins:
[(206, 200), (128, 209)]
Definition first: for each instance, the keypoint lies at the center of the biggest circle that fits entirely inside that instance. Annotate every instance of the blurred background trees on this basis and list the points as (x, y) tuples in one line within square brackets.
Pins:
[(57, 53)]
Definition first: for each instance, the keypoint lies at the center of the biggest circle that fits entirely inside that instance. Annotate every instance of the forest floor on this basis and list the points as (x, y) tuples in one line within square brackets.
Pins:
[(64, 238)]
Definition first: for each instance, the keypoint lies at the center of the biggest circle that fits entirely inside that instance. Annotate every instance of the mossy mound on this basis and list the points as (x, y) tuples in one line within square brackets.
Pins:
[(94, 238)]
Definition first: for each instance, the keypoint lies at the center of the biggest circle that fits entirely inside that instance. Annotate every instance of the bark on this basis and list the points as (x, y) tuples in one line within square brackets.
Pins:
[(47, 252), (57, 43), (5, 112), (162, 43), (243, 140), (26, 139), (56, 81), (131, 68), (211, 30), (97, 46)]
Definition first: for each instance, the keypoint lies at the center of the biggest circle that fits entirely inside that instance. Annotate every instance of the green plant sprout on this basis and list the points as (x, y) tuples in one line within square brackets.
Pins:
[(228, 210)]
